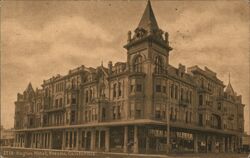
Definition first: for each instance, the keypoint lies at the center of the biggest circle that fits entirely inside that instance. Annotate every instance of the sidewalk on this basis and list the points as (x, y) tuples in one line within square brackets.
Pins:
[(48, 153)]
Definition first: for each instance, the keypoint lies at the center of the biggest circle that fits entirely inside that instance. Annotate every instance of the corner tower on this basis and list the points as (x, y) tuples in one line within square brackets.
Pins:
[(148, 40), (147, 54)]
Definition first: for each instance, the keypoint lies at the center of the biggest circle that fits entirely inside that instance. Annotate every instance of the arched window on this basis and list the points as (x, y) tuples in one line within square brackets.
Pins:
[(158, 65), (137, 64)]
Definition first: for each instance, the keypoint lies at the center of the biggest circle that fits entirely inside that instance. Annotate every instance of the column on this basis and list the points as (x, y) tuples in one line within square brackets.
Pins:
[(213, 144), (147, 143), (85, 140), (47, 140), (73, 138), (136, 150), (44, 138), (50, 140), (93, 140), (223, 145), (77, 138), (125, 145), (31, 143), (99, 139), (63, 139), (206, 143), (68, 145), (195, 142), (107, 140), (227, 139)]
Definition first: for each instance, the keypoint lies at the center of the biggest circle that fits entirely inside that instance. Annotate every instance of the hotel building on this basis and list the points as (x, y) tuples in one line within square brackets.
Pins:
[(143, 105)]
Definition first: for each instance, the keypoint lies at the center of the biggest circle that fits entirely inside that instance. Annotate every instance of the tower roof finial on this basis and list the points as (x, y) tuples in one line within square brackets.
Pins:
[(229, 77)]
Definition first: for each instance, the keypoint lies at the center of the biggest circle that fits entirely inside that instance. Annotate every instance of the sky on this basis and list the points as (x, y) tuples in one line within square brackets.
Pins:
[(40, 39)]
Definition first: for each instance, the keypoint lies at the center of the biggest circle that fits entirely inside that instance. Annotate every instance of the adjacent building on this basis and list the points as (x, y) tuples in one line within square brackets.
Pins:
[(143, 105), (6, 137)]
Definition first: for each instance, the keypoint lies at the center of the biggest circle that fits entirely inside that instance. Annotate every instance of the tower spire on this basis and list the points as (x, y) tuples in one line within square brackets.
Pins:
[(148, 21)]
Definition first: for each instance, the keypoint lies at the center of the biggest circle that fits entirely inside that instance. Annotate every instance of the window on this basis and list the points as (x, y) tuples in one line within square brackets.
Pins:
[(157, 114), (171, 113), (103, 113), (138, 87), (158, 65), (131, 88), (56, 102), (114, 90), (118, 112), (164, 114), (172, 90), (114, 113), (190, 97), (119, 89), (181, 93), (200, 120), (72, 116), (138, 113), (86, 116), (200, 100), (164, 89), (73, 100), (202, 82), (186, 117), (176, 114), (90, 95), (87, 96), (190, 117), (176, 92), (137, 65), (60, 102), (158, 88)]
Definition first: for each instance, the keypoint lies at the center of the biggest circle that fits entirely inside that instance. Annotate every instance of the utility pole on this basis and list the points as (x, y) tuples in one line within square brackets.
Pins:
[(168, 126)]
